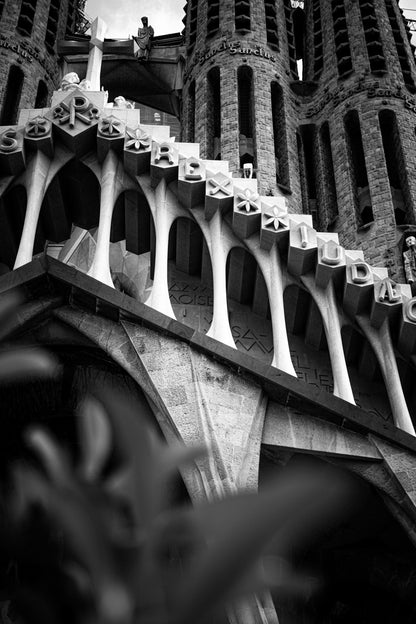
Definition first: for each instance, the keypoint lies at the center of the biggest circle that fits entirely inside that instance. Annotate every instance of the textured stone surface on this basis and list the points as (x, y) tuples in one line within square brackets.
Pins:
[(290, 429)]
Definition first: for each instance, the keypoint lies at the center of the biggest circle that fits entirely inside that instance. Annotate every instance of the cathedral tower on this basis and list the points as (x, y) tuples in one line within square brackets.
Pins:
[(319, 97), (28, 60)]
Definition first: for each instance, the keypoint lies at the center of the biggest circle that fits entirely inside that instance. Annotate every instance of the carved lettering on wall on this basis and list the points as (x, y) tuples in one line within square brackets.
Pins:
[(232, 48), (373, 90)]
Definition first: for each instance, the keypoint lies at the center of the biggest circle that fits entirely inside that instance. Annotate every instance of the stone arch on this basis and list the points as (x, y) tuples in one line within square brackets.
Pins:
[(358, 554), (132, 244), (248, 304), (365, 374), (307, 340), (190, 274)]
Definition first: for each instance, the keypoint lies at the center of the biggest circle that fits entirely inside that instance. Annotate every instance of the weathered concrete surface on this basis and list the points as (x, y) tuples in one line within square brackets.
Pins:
[(200, 402), (294, 430)]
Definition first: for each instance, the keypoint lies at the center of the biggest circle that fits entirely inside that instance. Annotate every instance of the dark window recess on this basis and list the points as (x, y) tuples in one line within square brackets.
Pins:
[(52, 26), (329, 199), (280, 137), (246, 115), (310, 158), (358, 169), (372, 36), (396, 168), (302, 174), (290, 39), (401, 47), (271, 24), (298, 19), (191, 112), (342, 44), (41, 95), (192, 24), (213, 17), (214, 113), (26, 17), (318, 51), (12, 96), (70, 18), (242, 16), (2, 3)]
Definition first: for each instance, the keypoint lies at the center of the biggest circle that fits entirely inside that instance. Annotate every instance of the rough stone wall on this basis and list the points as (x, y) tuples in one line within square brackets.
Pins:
[(29, 53)]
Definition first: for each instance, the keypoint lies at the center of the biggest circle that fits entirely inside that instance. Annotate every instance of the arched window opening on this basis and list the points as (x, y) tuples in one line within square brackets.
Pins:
[(12, 96), (318, 53), (26, 17), (280, 137), (372, 37), (41, 95), (311, 157), (213, 17), (246, 115), (242, 16), (271, 24), (191, 112), (342, 44), (52, 26), (192, 24), (12, 217), (290, 39), (214, 113), (396, 168), (358, 170), (401, 47), (298, 18), (302, 173), (329, 210)]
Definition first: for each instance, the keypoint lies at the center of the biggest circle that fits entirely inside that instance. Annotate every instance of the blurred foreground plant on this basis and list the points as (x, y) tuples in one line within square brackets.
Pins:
[(93, 541)]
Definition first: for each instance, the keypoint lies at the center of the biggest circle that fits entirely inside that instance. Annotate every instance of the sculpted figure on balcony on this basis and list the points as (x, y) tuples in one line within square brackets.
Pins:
[(144, 40)]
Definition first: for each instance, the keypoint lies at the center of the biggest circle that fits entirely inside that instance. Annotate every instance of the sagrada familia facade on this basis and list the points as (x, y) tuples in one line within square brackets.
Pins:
[(251, 281)]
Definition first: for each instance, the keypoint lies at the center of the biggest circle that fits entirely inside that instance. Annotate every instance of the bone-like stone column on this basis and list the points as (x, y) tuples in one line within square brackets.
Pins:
[(271, 267), (111, 185), (36, 184), (326, 301), (381, 342), (98, 30), (220, 327), (163, 217)]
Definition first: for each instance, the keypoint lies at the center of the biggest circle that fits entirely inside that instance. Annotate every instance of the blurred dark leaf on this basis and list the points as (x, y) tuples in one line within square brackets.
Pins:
[(23, 364)]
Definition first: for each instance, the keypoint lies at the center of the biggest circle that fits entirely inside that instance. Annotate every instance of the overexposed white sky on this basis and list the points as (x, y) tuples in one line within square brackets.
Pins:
[(123, 16)]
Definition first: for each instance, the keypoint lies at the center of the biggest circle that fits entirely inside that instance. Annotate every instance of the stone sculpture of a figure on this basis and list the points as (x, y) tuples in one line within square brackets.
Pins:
[(144, 40), (409, 260)]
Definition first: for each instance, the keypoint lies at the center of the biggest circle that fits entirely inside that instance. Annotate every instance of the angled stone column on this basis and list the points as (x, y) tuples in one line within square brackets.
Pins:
[(219, 249), (165, 209), (111, 186), (381, 342), (271, 267), (36, 184), (326, 301)]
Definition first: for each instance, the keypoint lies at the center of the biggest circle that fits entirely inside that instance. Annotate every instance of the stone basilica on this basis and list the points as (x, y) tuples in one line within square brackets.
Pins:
[(248, 276)]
